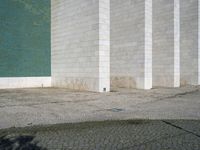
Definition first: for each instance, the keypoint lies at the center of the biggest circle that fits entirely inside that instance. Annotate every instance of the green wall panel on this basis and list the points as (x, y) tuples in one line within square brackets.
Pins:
[(25, 38)]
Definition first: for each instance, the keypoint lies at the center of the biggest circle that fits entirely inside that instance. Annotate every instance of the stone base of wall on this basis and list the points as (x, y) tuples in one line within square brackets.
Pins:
[(24, 82), (81, 84)]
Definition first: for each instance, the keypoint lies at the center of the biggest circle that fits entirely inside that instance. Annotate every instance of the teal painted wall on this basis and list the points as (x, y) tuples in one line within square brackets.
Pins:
[(25, 38)]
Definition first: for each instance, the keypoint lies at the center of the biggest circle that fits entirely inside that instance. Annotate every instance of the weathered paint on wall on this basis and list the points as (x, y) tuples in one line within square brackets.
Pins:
[(25, 38)]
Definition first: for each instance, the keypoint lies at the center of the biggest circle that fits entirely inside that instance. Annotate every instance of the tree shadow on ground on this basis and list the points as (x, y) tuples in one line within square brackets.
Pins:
[(19, 143)]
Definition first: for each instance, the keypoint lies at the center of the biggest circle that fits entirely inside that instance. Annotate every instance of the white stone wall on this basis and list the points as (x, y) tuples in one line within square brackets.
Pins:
[(189, 41), (130, 45), (166, 49), (135, 43), (80, 44)]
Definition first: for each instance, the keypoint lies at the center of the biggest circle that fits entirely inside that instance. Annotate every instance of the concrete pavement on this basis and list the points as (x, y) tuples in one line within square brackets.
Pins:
[(40, 106)]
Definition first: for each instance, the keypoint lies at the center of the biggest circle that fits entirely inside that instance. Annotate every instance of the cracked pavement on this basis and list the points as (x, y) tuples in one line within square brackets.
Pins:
[(44, 106)]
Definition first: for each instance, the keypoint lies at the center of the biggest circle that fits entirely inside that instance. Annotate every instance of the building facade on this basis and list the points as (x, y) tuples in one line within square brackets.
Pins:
[(94, 45)]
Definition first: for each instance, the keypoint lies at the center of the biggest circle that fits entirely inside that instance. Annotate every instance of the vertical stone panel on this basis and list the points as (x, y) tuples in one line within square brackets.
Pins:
[(80, 44), (176, 43), (198, 42), (131, 43), (148, 45), (189, 15), (166, 49), (104, 45)]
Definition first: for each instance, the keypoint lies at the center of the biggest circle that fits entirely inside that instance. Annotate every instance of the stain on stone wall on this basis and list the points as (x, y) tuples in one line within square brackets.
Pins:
[(123, 82), (25, 38)]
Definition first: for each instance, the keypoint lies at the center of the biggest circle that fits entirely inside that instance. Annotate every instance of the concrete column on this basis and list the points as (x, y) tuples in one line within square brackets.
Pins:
[(104, 45), (131, 43), (189, 42), (148, 45), (166, 45), (199, 43), (80, 44)]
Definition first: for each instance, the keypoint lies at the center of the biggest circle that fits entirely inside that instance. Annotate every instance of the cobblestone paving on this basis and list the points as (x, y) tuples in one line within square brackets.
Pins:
[(107, 135)]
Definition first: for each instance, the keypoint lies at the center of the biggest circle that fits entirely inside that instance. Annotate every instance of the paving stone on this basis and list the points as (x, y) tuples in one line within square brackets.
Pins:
[(107, 135)]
